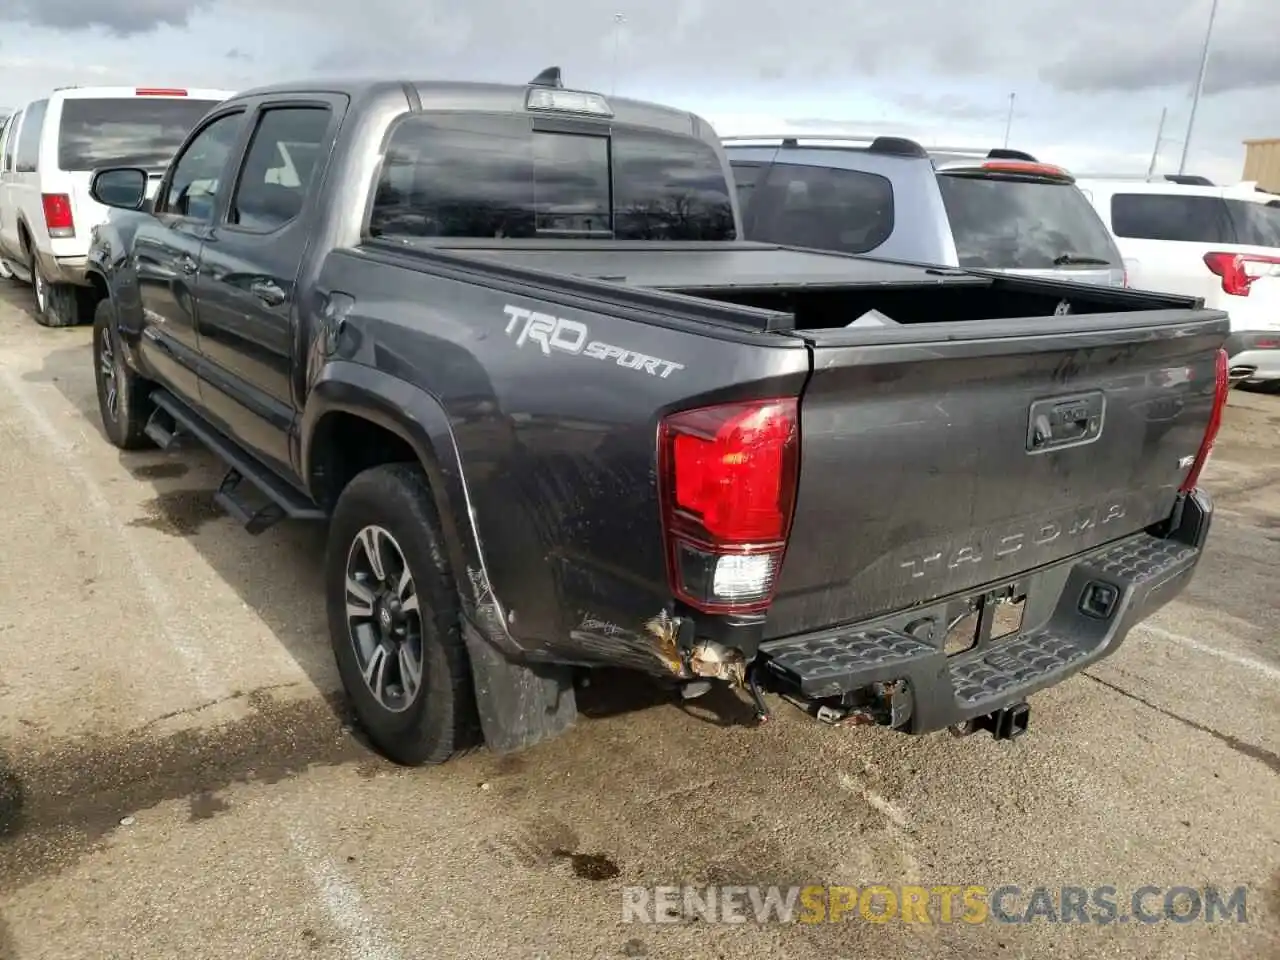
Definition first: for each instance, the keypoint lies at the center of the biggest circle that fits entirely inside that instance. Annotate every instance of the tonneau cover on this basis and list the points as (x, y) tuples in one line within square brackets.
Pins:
[(705, 266)]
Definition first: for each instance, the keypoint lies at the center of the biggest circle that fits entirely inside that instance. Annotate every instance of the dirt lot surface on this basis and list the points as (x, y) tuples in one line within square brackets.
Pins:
[(177, 778)]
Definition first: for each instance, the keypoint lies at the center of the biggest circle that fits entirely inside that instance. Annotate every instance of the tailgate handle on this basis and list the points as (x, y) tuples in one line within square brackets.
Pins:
[(1064, 421)]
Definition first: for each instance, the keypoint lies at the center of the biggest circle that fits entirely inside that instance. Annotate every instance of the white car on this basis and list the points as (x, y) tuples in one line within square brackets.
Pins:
[(1219, 243), (48, 151)]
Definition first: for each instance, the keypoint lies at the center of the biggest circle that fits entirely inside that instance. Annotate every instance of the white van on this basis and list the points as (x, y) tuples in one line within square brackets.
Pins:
[(47, 154), (1219, 243)]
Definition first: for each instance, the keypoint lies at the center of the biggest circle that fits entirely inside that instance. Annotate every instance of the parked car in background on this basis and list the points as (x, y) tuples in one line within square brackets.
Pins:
[(890, 198), (1201, 240), (6, 273), (47, 153)]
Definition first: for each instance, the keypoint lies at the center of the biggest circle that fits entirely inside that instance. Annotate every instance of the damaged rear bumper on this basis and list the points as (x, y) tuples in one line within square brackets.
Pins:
[(1076, 612)]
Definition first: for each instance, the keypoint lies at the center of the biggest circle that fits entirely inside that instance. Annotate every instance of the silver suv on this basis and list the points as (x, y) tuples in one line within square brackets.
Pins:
[(890, 198)]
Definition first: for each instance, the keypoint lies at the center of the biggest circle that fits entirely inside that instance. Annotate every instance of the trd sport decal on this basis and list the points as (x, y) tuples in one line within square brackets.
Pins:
[(570, 336)]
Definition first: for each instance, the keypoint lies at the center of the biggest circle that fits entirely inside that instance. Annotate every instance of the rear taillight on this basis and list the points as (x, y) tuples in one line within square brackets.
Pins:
[(727, 477), (57, 215), (1239, 270), (1221, 385), (159, 92)]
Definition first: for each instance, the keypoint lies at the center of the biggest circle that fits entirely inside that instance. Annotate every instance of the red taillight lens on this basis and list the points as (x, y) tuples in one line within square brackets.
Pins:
[(159, 92), (57, 215), (1221, 387), (1239, 270), (728, 478)]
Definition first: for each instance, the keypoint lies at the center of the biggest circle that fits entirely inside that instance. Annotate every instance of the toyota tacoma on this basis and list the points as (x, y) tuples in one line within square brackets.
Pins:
[(508, 342)]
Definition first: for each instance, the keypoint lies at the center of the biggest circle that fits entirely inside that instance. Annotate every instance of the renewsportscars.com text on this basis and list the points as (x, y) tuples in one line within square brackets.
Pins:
[(946, 903)]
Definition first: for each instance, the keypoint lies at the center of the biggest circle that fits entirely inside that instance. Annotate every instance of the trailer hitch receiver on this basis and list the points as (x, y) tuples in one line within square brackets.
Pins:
[(1007, 722), (1003, 724)]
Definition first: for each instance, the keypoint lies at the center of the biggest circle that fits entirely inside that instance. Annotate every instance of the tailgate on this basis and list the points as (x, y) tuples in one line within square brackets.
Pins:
[(936, 460)]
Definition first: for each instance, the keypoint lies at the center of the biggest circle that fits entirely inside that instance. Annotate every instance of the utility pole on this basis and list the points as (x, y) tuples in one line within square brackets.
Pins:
[(1008, 124), (618, 21), (1195, 98), (1155, 151)]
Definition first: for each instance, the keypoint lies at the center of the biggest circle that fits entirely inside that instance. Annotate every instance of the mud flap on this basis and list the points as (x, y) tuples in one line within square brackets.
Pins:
[(519, 705)]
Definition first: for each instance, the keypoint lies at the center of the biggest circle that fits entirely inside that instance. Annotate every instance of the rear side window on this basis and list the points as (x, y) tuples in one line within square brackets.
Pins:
[(823, 207), (1006, 224), (277, 171), (27, 159), (125, 131), (1256, 224), (495, 177), (1165, 216)]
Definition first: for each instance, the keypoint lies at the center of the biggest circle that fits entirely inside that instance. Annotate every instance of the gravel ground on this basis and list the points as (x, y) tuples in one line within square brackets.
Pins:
[(177, 778)]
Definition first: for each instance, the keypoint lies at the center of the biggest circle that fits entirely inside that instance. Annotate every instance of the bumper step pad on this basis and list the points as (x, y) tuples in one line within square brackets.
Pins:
[(1137, 575)]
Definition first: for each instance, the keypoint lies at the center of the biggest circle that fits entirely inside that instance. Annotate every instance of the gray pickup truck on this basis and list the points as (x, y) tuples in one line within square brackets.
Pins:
[(507, 342)]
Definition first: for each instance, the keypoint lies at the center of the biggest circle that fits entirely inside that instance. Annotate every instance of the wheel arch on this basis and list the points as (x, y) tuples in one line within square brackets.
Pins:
[(357, 417)]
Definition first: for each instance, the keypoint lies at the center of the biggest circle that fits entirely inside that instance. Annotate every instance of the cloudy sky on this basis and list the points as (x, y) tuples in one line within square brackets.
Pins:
[(1090, 76)]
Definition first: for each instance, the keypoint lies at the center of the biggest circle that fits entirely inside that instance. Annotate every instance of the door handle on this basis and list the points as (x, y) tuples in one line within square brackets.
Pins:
[(268, 292)]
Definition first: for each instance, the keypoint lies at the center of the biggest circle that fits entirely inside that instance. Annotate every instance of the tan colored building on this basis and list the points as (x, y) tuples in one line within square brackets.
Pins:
[(1262, 163)]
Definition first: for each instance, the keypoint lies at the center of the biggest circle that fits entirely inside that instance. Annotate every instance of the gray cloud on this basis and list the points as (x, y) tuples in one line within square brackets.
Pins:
[(1073, 47), (120, 17), (1164, 51), (1125, 45), (950, 106)]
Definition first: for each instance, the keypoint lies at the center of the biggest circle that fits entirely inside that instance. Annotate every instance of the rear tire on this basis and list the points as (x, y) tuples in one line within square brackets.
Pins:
[(123, 403), (395, 621), (56, 303)]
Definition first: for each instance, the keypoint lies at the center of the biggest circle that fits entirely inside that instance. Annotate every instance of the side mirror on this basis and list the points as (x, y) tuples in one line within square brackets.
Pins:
[(121, 187)]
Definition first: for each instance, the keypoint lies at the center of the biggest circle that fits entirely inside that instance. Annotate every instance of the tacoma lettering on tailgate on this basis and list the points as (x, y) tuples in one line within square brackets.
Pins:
[(571, 337), (1000, 543)]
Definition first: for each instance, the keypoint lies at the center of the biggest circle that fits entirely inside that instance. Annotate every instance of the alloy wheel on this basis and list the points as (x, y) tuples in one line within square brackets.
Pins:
[(108, 371), (42, 289), (384, 620)]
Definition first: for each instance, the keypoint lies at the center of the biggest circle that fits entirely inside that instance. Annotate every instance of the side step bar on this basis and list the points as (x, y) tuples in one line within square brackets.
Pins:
[(173, 419)]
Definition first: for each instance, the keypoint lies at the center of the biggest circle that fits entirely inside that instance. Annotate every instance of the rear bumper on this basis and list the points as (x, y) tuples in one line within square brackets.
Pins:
[(1145, 571), (64, 269), (1254, 356)]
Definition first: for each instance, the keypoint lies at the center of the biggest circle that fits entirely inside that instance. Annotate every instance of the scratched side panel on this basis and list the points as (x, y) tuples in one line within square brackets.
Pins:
[(918, 477), (554, 404)]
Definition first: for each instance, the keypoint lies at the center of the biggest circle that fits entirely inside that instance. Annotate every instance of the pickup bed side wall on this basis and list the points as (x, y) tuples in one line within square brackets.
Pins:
[(550, 469)]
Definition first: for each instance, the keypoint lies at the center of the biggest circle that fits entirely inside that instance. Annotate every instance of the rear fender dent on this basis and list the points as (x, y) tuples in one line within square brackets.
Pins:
[(417, 418)]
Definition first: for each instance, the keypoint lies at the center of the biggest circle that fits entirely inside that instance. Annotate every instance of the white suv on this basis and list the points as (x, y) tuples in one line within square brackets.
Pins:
[(1219, 243), (48, 151)]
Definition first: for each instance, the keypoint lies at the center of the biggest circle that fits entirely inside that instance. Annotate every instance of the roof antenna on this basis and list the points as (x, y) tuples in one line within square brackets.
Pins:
[(549, 77)]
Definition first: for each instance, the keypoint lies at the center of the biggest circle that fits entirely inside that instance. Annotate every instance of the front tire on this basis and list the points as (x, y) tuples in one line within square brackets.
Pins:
[(122, 395), (394, 618)]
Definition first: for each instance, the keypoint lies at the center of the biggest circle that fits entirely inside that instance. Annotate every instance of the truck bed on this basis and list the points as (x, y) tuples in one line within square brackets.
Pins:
[(999, 425), (788, 289)]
